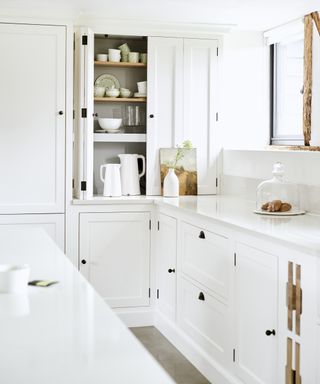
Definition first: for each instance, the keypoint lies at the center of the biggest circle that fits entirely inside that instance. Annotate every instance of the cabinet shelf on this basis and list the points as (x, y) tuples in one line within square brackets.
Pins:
[(120, 64), (120, 137), (120, 99)]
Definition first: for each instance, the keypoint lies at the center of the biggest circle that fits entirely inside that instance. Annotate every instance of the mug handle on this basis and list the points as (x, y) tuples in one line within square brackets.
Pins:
[(143, 165), (101, 172)]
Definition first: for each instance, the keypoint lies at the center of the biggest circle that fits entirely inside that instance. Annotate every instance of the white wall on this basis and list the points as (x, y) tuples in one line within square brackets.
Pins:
[(245, 91)]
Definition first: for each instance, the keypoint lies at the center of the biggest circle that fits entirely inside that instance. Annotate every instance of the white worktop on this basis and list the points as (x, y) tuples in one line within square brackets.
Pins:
[(63, 334)]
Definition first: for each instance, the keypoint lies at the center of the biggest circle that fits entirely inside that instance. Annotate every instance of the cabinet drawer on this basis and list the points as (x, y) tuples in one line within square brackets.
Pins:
[(207, 258), (205, 319)]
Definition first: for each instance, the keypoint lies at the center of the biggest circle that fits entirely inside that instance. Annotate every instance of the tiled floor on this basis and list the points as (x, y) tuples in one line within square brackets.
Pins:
[(177, 366)]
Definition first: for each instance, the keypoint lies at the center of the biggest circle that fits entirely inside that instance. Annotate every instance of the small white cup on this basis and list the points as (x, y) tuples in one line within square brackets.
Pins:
[(102, 57), (14, 278), (142, 87), (99, 91), (114, 55), (133, 57)]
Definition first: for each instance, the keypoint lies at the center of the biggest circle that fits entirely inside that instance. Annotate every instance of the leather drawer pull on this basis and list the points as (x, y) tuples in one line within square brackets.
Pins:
[(202, 235), (201, 296)]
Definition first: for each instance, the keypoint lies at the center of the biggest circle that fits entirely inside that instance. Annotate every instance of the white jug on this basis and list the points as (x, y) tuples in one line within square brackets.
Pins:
[(111, 180), (130, 176)]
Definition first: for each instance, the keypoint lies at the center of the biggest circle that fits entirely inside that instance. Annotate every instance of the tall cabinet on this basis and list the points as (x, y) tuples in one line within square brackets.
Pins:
[(32, 126), (181, 104)]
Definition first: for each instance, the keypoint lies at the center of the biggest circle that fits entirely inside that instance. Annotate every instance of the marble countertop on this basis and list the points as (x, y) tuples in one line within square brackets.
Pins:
[(64, 333)]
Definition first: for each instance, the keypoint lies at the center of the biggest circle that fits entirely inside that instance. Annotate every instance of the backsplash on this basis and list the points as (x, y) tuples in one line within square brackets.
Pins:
[(244, 170)]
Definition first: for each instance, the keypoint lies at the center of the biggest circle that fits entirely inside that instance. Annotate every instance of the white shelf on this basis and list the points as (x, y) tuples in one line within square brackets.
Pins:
[(120, 137)]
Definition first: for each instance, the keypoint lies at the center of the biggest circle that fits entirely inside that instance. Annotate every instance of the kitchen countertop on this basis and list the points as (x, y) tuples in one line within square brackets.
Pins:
[(302, 231), (64, 333)]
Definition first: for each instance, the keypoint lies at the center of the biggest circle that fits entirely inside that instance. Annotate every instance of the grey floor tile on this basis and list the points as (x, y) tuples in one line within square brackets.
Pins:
[(177, 366)]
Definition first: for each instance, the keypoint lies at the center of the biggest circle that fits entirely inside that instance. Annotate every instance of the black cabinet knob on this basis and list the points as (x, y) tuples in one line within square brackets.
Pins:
[(151, 116), (171, 270), (201, 296), (202, 235), (95, 115), (269, 333), (60, 112), (83, 261)]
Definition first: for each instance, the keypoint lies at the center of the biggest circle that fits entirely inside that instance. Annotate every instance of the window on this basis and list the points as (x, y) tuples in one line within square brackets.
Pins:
[(287, 92)]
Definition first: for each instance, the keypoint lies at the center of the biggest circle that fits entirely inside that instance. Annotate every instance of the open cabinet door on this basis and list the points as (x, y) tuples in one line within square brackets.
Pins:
[(83, 103)]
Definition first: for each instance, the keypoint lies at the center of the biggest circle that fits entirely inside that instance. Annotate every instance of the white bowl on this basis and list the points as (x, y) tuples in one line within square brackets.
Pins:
[(102, 57), (110, 124), (99, 91), (14, 278), (112, 92)]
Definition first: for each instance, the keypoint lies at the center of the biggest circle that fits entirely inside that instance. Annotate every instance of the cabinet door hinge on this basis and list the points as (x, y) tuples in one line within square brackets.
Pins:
[(150, 225), (234, 355), (158, 225), (73, 114), (83, 186), (235, 259), (217, 51), (158, 294), (149, 292), (217, 116), (84, 40), (84, 112), (217, 182), (72, 183)]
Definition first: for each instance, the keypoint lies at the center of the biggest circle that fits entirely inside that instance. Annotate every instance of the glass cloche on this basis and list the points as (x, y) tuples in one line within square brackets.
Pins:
[(277, 196)]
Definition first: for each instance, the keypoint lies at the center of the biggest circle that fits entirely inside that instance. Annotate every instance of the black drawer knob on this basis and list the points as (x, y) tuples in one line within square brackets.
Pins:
[(60, 113), (269, 333), (201, 296), (171, 270), (83, 261), (202, 235), (151, 116)]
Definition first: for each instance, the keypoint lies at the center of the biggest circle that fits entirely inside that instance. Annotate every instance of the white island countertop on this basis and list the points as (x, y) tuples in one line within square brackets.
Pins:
[(63, 334)]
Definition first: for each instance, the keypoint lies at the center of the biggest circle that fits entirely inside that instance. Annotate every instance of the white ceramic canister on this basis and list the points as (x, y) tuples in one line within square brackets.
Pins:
[(171, 184), (14, 278)]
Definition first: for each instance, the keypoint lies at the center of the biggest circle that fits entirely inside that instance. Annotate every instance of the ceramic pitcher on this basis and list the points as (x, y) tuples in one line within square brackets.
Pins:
[(130, 176), (111, 180)]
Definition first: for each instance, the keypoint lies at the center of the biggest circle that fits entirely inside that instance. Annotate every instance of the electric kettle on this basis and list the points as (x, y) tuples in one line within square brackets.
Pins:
[(130, 176), (111, 180)]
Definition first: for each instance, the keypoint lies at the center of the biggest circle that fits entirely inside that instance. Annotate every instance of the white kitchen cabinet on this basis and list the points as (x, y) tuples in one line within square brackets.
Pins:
[(166, 265), (53, 224), (165, 103), (207, 257), (256, 319), (182, 105), (115, 256), (33, 110)]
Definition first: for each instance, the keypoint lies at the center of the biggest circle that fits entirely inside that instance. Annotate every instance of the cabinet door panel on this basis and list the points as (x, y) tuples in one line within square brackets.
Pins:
[(207, 260), (200, 107), (256, 291), (167, 259), (32, 133), (165, 98), (116, 249)]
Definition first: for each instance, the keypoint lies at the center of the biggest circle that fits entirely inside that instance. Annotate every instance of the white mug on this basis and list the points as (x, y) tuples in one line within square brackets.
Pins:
[(114, 55), (142, 87), (133, 57)]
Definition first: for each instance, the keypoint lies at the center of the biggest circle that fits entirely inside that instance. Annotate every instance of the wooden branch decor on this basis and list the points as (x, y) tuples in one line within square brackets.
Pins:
[(307, 87), (316, 19)]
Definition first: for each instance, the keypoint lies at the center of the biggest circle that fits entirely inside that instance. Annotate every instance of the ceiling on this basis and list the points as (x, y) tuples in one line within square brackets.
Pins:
[(245, 14)]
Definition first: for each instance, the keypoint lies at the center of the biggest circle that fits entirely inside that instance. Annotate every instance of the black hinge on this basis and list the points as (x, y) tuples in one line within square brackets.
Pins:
[(217, 51), (150, 225), (235, 259), (84, 112), (84, 40), (149, 292), (83, 186), (217, 182), (73, 114), (234, 356), (158, 294), (217, 116), (72, 183), (158, 225)]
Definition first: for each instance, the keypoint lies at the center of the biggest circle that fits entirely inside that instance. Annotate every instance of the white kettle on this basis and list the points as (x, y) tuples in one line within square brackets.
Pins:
[(130, 176), (111, 180)]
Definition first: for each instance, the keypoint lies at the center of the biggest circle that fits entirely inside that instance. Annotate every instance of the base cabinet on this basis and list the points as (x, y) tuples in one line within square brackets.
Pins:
[(256, 304), (115, 256)]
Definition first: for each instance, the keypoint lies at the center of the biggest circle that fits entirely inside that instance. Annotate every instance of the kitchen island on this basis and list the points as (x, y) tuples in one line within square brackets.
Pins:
[(64, 333)]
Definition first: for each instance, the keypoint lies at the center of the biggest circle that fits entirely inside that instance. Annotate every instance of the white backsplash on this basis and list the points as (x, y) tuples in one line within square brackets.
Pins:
[(244, 170)]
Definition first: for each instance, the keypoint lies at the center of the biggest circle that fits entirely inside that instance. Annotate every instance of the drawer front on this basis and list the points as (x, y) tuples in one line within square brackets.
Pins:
[(207, 258), (205, 319)]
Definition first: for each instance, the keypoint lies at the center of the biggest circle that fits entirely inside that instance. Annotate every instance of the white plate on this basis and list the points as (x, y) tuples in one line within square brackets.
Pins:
[(289, 213), (107, 81), (137, 94)]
